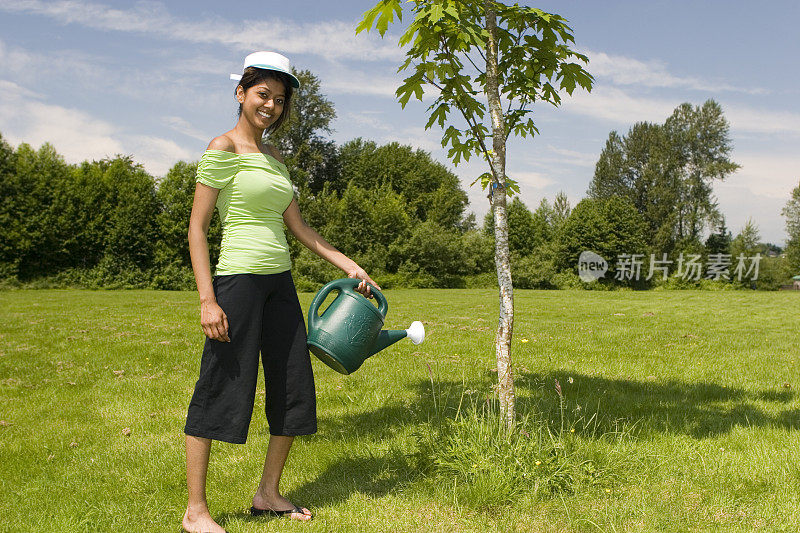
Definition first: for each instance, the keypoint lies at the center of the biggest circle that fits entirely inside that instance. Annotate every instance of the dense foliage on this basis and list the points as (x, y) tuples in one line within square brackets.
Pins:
[(666, 171), (401, 215), (398, 212), (110, 224)]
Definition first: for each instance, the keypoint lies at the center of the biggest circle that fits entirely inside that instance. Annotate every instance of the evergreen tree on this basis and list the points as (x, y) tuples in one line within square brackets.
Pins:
[(10, 221), (719, 242), (561, 211), (37, 194)]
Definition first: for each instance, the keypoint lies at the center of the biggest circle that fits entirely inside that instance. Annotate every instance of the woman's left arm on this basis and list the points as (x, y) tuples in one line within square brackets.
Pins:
[(314, 242)]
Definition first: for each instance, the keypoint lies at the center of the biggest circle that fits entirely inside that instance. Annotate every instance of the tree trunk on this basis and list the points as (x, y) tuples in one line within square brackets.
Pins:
[(497, 199)]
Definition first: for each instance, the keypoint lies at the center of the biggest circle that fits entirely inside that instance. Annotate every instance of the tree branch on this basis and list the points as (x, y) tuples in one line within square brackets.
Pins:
[(521, 108), (474, 65), (474, 128), (475, 13)]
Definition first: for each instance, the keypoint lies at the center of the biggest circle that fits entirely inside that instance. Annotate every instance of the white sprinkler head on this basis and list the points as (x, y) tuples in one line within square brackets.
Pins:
[(416, 332)]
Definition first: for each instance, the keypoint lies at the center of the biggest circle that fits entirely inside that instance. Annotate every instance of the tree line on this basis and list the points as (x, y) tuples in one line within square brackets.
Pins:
[(394, 209)]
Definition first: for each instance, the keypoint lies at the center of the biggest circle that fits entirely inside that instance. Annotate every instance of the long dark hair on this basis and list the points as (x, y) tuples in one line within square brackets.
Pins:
[(253, 76)]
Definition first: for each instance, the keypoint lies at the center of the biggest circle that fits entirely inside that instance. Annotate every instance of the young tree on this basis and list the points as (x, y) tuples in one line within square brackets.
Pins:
[(747, 241), (475, 54), (792, 214), (561, 210)]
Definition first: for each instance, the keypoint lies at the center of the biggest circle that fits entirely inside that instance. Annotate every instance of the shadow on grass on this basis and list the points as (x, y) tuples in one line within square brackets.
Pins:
[(593, 406), (373, 476), (698, 409)]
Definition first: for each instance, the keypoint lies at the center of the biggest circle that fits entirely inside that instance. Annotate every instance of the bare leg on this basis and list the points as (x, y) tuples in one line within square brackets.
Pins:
[(197, 518), (268, 495)]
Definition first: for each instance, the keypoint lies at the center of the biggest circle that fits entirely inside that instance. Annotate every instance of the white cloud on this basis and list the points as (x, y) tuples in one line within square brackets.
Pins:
[(739, 203), (331, 39), (157, 154), (569, 157), (418, 138), (615, 105), (183, 126), (373, 119), (26, 66), (754, 120), (618, 106), (536, 180), (628, 71), (89, 75), (764, 174), (14, 59), (346, 81), (76, 135)]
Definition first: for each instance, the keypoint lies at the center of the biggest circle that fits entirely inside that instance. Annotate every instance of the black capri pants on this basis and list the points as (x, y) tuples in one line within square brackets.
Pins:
[(264, 316)]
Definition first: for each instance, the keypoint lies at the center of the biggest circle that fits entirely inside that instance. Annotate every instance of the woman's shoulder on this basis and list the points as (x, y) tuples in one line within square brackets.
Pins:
[(222, 143), (219, 163)]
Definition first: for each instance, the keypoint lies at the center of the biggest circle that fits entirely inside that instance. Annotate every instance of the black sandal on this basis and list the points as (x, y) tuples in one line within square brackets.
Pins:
[(286, 513)]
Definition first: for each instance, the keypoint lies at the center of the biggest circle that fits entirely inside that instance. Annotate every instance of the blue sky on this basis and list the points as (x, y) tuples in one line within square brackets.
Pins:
[(150, 79)]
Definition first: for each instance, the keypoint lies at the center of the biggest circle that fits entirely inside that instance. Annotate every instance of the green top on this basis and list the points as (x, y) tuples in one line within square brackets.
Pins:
[(254, 192)]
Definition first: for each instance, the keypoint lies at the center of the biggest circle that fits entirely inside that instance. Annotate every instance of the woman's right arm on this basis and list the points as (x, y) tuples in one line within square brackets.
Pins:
[(212, 317)]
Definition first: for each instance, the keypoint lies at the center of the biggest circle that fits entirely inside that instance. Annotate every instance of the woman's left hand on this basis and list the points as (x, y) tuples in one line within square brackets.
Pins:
[(362, 287)]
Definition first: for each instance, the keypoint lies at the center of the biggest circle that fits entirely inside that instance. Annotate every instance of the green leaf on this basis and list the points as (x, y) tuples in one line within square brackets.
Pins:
[(535, 63), (439, 115), (512, 187), (435, 13), (384, 11), (484, 178), (366, 22)]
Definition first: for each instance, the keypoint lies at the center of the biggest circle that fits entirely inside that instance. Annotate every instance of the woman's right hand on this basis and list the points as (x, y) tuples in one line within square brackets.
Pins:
[(214, 321)]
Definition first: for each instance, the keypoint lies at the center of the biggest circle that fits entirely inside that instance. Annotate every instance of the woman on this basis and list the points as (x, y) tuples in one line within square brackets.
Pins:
[(251, 306)]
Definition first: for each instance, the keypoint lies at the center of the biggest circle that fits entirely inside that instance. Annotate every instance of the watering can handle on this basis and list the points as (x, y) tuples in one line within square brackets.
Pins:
[(344, 284), (317, 301), (349, 284)]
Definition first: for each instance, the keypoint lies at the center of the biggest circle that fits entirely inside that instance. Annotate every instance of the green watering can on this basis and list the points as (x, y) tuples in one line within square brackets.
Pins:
[(349, 330)]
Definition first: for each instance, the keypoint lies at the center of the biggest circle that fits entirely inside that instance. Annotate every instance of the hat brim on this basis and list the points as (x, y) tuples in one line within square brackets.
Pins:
[(295, 82)]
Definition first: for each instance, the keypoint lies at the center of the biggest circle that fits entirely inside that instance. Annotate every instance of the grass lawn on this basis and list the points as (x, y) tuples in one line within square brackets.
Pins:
[(688, 400)]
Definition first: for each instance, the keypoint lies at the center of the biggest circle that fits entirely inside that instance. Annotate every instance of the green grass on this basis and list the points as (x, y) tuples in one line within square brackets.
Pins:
[(679, 413)]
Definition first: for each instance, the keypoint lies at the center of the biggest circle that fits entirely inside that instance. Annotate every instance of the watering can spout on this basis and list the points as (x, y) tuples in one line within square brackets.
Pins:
[(387, 337)]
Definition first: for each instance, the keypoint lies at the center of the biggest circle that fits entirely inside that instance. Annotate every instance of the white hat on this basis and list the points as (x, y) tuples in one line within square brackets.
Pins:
[(269, 61)]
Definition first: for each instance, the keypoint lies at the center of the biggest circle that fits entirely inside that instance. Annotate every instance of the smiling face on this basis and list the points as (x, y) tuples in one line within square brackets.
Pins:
[(262, 104)]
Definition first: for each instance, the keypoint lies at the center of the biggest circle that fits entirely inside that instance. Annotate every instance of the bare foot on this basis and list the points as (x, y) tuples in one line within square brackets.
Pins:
[(200, 521), (276, 502)]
